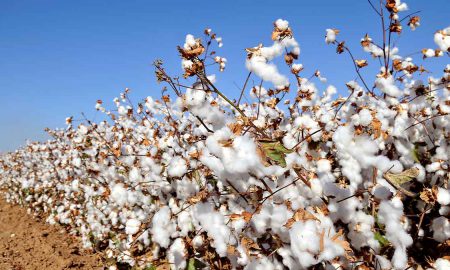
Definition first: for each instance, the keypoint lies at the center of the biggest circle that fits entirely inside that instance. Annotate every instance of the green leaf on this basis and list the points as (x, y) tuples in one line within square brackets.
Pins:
[(275, 151), (195, 264), (403, 177), (397, 179), (415, 153), (381, 239)]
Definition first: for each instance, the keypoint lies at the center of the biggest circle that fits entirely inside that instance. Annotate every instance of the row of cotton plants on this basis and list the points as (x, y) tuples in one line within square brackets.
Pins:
[(293, 178)]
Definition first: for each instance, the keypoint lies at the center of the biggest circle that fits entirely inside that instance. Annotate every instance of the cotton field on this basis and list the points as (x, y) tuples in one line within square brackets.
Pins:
[(304, 176)]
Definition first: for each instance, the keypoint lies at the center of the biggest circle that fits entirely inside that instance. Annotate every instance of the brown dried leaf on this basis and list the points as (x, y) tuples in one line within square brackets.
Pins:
[(396, 27), (376, 128), (299, 215), (236, 128), (365, 42), (226, 143), (200, 196), (413, 20), (361, 63), (340, 47)]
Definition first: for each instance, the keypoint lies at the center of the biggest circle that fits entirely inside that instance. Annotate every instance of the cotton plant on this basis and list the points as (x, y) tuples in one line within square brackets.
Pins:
[(295, 177)]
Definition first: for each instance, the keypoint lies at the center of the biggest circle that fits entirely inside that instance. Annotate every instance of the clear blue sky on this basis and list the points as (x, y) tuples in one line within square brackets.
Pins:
[(58, 57)]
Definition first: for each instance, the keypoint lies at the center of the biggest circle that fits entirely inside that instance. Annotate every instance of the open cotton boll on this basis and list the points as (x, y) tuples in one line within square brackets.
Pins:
[(442, 264), (119, 194), (401, 6), (442, 39), (195, 97), (429, 53), (305, 242), (323, 166), (177, 167), (189, 42), (132, 226), (390, 214), (271, 216), (443, 196), (330, 36), (214, 224), (441, 229), (267, 71), (382, 263), (282, 24), (387, 86), (365, 117), (176, 255), (134, 175), (361, 231), (162, 227)]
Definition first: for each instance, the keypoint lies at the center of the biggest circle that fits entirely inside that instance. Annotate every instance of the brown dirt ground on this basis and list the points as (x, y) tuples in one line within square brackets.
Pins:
[(28, 243)]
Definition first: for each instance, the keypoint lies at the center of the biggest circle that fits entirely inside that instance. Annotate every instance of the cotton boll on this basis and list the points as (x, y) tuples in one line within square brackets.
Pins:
[(134, 175), (429, 53), (132, 226), (177, 255), (184, 221), (214, 224), (119, 194), (323, 166), (444, 210), (442, 264), (361, 233), (282, 24), (190, 41), (162, 227), (442, 39), (76, 162), (387, 86), (330, 36), (443, 196), (441, 229), (267, 71), (365, 117), (401, 6), (197, 241), (382, 263), (381, 192), (177, 167), (304, 242), (195, 97), (390, 214)]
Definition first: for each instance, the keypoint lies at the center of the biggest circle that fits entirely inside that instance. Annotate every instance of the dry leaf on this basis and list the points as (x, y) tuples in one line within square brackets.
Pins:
[(340, 47), (201, 196), (365, 42), (236, 128), (397, 179), (361, 63)]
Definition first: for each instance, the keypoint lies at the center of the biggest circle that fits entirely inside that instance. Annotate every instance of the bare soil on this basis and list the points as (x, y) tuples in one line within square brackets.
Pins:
[(29, 243)]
